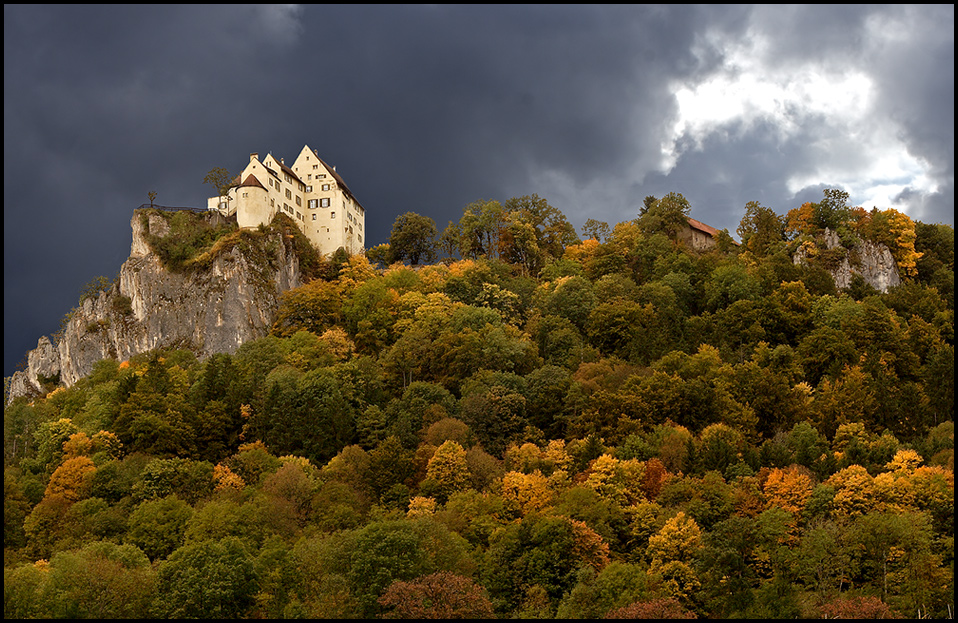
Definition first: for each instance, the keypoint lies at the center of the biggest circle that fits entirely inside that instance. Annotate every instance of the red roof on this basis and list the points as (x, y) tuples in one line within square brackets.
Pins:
[(251, 181), (699, 225)]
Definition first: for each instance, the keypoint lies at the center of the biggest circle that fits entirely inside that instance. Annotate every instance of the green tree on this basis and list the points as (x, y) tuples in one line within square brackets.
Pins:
[(833, 212), (760, 229), (306, 415), (480, 229), (26, 591), (668, 215), (157, 526), (220, 179), (413, 238), (213, 579), (496, 415), (378, 255), (190, 480), (597, 594), (534, 552), (101, 581), (596, 230), (450, 239), (314, 307), (371, 558)]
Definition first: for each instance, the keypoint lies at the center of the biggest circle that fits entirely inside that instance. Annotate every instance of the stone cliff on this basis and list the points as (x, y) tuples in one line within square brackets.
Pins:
[(231, 300), (874, 262)]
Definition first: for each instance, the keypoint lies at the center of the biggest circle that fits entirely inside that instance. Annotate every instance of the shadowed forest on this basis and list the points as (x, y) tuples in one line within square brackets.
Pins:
[(510, 419)]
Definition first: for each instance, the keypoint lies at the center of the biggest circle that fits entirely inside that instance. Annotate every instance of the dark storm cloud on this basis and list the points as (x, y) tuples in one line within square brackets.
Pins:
[(421, 108)]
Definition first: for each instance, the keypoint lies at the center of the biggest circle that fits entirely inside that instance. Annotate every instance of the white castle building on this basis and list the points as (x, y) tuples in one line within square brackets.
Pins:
[(310, 192)]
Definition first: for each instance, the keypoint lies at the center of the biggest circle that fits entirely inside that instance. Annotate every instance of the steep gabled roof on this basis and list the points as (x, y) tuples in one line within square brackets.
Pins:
[(702, 227), (339, 179), (289, 172), (251, 181)]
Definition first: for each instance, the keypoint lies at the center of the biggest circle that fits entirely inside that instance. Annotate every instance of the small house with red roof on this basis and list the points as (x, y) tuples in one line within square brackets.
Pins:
[(698, 235)]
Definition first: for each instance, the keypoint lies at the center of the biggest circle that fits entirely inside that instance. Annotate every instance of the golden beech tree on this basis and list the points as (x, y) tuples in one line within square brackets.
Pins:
[(72, 479), (420, 506), (226, 479), (526, 493), (895, 230), (79, 444), (620, 482), (788, 489), (449, 469), (672, 551), (679, 539), (854, 491), (800, 220)]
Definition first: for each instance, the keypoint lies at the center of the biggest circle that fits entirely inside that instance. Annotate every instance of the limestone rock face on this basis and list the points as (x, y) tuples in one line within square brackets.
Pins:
[(214, 310), (874, 262)]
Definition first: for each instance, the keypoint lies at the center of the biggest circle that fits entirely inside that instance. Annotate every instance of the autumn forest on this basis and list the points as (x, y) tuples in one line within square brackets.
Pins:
[(511, 419)]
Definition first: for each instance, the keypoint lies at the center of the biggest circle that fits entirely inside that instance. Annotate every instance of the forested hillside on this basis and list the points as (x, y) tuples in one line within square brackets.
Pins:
[(509, 419)]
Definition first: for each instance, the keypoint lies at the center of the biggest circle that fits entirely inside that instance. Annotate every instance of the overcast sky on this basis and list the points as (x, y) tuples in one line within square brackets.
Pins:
[(428, 108)]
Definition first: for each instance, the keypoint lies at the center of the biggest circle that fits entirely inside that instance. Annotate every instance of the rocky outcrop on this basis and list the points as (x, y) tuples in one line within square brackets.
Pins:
[(232, 300), (874, 262)]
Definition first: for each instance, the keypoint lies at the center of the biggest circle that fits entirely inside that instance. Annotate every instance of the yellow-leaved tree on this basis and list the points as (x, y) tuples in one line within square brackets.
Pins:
[(72, 479), (895, 230), (788, 488), (448, 469), (526, 493), (672, 551)]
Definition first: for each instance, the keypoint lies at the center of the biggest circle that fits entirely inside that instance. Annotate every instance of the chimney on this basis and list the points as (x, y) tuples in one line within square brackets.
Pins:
[(253, 156)]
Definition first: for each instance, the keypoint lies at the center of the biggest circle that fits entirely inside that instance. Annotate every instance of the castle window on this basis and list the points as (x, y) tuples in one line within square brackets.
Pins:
[(289, 195), (332, 215), (324, 203), (299, 201), (314, 217), (309, 189), (325, 186), (313, 203)]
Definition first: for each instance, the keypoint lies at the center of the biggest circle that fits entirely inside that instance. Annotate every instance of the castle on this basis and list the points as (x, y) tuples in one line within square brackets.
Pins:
[(310, 192)]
